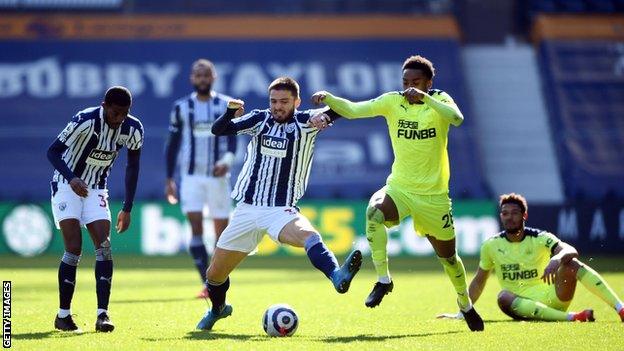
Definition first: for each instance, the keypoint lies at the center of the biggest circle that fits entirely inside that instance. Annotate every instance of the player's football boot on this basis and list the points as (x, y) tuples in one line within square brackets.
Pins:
[(379, 291), (584, 316), (103, 323), (203, 294), (211, 318), (342, 277), (66, 324), (474, 321)]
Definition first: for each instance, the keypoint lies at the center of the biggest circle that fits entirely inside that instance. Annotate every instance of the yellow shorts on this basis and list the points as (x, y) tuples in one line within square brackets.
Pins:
[(545, 294), (432, 214)]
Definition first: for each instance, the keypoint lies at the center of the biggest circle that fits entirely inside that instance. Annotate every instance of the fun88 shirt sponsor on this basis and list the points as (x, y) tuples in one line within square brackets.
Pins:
[(278, 159), (93, 145)]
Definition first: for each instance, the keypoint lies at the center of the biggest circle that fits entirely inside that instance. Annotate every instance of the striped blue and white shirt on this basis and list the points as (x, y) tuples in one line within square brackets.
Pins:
[(200, 149), (278, 160), (93, 146)]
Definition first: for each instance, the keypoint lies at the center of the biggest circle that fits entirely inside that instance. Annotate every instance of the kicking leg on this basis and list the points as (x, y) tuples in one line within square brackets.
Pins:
[(455, 270), (72, 238), (300, 233)]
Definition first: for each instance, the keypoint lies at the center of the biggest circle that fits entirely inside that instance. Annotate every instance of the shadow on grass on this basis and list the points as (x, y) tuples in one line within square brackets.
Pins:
[(371, 337), (163, 300), (211, 335), (46, 335)]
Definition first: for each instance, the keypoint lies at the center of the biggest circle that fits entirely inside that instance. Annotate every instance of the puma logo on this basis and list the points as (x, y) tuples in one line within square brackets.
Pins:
[(70, 282), (109, 280)]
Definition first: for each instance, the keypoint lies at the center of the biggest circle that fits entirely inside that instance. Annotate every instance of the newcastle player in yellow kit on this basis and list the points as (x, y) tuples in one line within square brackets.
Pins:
[(537, 272), (419, 119)]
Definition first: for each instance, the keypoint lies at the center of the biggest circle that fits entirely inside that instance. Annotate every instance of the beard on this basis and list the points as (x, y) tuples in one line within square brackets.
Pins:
[(203, 89), (288, 115)]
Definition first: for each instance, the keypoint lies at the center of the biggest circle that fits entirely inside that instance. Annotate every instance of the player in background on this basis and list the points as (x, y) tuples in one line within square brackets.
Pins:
[(418, 121), (82, 156), (205, 161), (273, 178), (537, 272)]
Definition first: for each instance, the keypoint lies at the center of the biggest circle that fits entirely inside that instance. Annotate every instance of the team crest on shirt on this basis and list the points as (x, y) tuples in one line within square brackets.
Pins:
[(290, 127), (101, 157), (273, 146), (62, 206), (122, 139)]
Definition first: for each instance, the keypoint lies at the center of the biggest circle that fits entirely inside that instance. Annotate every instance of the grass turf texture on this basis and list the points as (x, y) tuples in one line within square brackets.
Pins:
[(153, 308)]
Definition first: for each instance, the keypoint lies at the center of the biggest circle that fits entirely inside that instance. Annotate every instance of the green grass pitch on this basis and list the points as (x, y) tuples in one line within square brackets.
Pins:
[(153, 308)]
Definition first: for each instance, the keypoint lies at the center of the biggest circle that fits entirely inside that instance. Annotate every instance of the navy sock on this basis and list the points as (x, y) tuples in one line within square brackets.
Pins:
[(103, 277), (67, 279), (320, 256), (200, 256), (217, 294)]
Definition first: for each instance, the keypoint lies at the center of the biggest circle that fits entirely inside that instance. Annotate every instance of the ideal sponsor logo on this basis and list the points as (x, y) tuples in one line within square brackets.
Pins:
[(101, 157), (274, 146)]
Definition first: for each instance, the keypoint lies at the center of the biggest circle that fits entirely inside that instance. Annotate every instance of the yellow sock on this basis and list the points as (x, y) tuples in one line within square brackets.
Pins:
[(597, 285), (454, 269), (536, 310), (378, 240)]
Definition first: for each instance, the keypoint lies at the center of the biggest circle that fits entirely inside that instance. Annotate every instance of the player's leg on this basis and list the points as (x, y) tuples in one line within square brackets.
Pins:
[(299, 232), (385, 209), (568, 274), (433, 216), (219, 203), (99, 231), (67, 209), (540, 302), (192, 198), (236, 242), (222, 264), (72, 239)]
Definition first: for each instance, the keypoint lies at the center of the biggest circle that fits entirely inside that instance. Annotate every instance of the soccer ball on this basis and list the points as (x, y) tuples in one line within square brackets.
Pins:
[(280, 320)]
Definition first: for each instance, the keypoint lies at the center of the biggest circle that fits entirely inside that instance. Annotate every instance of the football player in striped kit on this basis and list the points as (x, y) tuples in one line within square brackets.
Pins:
[(205, 161), (273, 178), (82, 156)]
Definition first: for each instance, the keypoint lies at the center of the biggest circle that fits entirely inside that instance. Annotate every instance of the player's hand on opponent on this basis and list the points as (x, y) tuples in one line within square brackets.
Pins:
[(320, 121), (457, 315), (237, 104), (220, 169), (318, 97), (123, 221), (413, 95), (171, 191), (79, 187), (551, 270)]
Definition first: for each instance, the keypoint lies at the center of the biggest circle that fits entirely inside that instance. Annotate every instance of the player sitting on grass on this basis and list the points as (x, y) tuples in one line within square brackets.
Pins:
[(519, 255)]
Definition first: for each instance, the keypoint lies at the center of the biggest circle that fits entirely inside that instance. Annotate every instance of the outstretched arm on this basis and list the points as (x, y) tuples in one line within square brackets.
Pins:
[(349, 109)]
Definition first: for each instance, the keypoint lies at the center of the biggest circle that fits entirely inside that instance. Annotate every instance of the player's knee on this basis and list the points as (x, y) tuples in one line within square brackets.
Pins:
[(573, 265), (505, 299), (104, 253), (374, 214)]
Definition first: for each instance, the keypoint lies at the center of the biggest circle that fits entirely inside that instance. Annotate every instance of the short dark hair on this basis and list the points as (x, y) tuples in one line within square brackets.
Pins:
[(204, 62), (514, 198), (421, 63), (118, 95), (285, 83)]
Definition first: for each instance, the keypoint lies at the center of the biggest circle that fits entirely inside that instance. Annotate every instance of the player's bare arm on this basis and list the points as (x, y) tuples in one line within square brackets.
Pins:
[(563, 253)]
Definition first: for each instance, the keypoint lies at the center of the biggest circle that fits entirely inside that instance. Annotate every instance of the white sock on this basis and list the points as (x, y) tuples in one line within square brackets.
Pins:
[(619, 306), (63, 313), (100, 311), (571, 316), (385, 279)]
